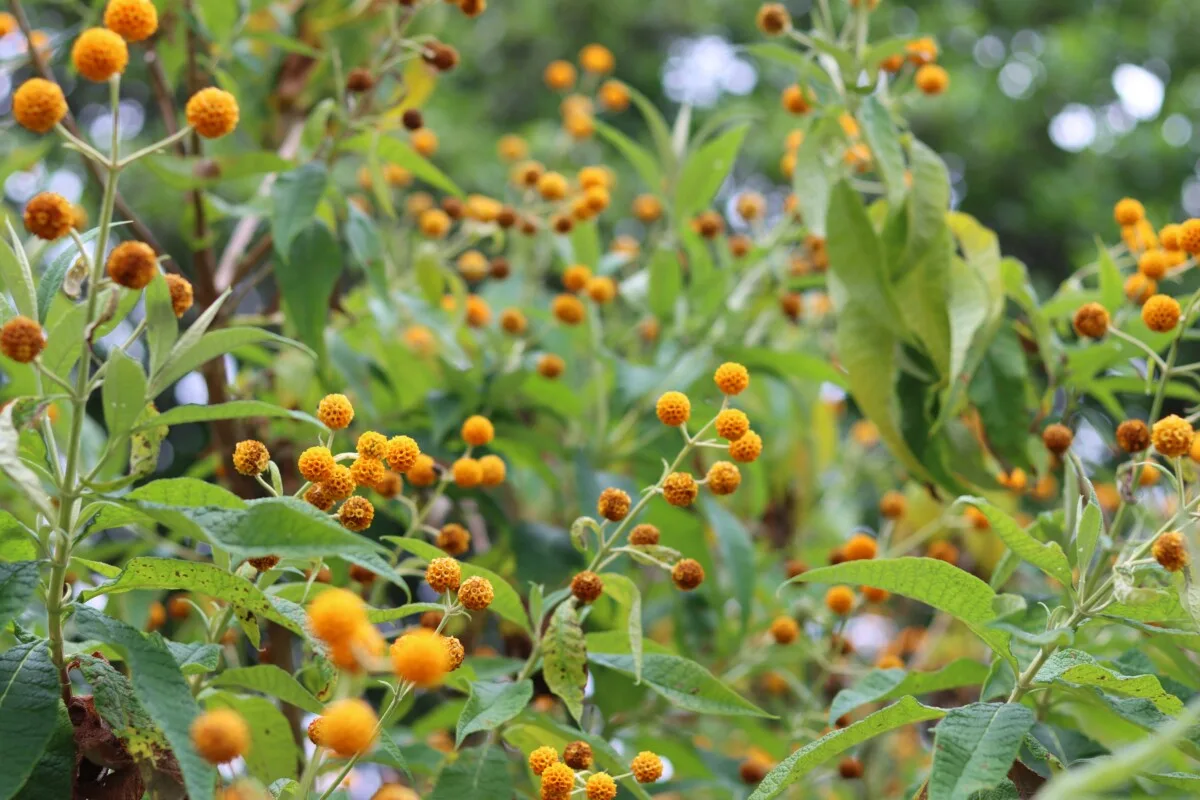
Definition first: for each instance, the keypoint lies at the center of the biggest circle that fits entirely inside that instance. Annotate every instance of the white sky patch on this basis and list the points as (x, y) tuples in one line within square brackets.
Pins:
[(1140, 91), (1074, 128)]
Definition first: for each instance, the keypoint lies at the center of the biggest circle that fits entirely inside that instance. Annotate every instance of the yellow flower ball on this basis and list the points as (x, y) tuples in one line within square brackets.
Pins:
[(420, 657), (467, 473), (98, 54), (597, 58), (541, 758), (49, 216), (443, 575), (646, 767), (356, 514), (220, 735), (212, 112), (1161, 313), (316, 464), (1128, 211), (747, 448), (476, 593), (335, 411), (336, 614), (133, 20), (1172, 436), (340, 483), (39, 105), (557, 781), (494, 470), (732, 424), (349, 727), (673, 408), (478, 431), (402, 453), (251, 457), (680, 489), (732, 378)]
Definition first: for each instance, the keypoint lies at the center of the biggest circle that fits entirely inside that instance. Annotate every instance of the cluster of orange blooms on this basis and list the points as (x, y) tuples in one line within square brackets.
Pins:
[(561, 779)]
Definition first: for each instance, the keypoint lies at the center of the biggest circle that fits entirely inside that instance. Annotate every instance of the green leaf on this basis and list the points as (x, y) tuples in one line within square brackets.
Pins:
[(16, 274), (810, 178), (295, 196), (929, 202), (159, 686), (737, 555), (189, 356), (490, 706), (175, 491), (974, 747), (23, 478), (18, 580), (801, 762), (306, 278), (193, 576), (884, 141), (124, 394), (857, 266), (1087, 535), (585, 243), (933, 582), (658, 130), (396, 151), (564, 658), (638, 157), (478, 772), (195, 658), (162, 326), (1079, 668), (29, 695), (429, 273), (1112, 291), (235, 409), (507, 603), (270, 679), (626, 595), (666, 282), (998, 390), (54, 773), (52, 278), (684, 683), (273, 751), (885, 684), (705, 170), (1046, 556)]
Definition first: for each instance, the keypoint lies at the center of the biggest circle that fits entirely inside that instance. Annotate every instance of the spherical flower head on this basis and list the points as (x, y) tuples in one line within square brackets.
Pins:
[(98, 54), (434, 223), (977, 519), (1128, 211), (493, 469), (602, 289), (784, 630), (476, 593), (613, 95), (365, 644), (687, 574), (1133, 436), (335, 615), (513, 322), (49, 216), (472, 266), (420, 657), (773, 19), (367, 471), (1172, 436), (647, 208), (250, 457), (646, 767), (423, 472), (739, 245), (335, 411), (479, 313), (453, 539), (559, 75), (1189, 233), (578, 755), (132, 265), (723, 478), (316, 496), (1057, 438), (133, 20), (732, 378), (1170, 551), (454, 651), (860, 547), (424, 141), (932, 79), (1091, 320), (587, 586), (220, 735), (394, 791), (1138, 288), (874, 595), (795, 100), (567, 309), (181, 293), (1153, 264), (839, 600), (340, 483), (644, 534), (753, 769), (747, 448), (1161, 313), (551, 366), (478, 431), (793, 567), (356, 514), (613, 504), (372, 445), (943, 551), (402, 453), (38, 105), (315, 734), (575, 277), (22, 339), (443, 575), (467, 473), (156, 616), (212, 112), (708, 224), (260, 564), (922, 51), (348, 727), (680, 489), (673, 408), (541, 758), (511, 147), (601, 786), (893, 505), (557, 781)]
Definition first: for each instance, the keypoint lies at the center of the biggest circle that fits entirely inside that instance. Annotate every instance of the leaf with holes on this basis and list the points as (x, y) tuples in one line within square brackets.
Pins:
[(565, 658), (1079, 668)]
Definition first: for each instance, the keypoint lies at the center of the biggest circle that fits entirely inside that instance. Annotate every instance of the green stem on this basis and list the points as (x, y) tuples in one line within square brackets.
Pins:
[(1026, 677)]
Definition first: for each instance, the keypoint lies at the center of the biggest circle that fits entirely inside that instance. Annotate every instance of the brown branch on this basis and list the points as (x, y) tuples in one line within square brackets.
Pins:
[(43, 69), (162, 93)]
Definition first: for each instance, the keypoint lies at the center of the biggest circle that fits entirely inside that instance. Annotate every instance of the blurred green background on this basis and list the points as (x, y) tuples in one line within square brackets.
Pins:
[(1056, 109)]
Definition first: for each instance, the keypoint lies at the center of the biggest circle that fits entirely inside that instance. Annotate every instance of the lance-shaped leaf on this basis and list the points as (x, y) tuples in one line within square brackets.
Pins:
[(270, 679), (491, 705), (974, 747), (1046, 556), (626, 594), (29, 695), (1079, 668), (18, 580), (564, 658), (885, 684)]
